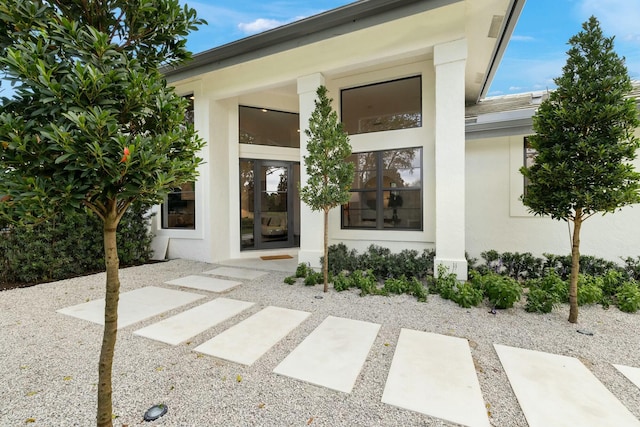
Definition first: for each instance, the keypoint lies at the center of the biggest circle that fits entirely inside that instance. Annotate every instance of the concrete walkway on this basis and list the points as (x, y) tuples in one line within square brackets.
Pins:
[(430, 373)]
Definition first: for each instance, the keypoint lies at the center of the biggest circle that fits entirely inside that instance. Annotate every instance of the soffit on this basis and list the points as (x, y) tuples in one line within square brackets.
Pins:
[(367, 34)]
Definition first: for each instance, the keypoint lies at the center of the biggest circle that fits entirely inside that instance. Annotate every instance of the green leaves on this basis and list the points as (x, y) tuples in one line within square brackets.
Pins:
[(87, 90), (329, 174), (584, 134)]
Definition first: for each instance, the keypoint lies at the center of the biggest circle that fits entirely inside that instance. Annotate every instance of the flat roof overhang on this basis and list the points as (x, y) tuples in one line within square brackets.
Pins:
[(485, 51)]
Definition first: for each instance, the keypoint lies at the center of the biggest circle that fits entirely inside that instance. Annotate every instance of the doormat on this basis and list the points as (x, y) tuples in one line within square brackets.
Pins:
[(271, 257)]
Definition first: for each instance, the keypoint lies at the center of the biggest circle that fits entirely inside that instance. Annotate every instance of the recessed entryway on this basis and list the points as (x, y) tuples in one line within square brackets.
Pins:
[(269, 204)]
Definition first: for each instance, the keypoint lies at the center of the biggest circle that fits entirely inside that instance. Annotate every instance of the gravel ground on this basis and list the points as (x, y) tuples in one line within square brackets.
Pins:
[(49, 361)]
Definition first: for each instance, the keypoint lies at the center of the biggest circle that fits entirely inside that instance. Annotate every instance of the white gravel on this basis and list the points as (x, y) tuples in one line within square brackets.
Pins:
[(48, 361)]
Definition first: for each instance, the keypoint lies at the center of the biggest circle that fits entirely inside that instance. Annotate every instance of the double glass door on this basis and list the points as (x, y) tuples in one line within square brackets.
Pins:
[(269, 204)]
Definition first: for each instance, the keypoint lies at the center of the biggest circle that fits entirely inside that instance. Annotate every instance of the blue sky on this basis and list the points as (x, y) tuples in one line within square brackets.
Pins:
[(533, 58)]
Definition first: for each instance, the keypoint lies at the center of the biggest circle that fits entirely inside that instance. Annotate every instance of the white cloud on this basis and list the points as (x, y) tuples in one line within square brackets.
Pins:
[(259, 25), (617, 17), (522, 38)]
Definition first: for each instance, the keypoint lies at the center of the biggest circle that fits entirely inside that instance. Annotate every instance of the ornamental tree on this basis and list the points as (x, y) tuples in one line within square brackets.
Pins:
[(585, 142), (92, 125), (329, 173)]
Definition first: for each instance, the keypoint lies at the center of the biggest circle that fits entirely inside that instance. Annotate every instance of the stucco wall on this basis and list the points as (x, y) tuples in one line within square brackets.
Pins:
[(496, 219)]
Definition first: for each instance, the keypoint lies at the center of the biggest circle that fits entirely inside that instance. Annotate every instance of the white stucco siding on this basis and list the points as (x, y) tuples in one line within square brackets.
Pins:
[(193, 244), (388, 51), (497, 219)]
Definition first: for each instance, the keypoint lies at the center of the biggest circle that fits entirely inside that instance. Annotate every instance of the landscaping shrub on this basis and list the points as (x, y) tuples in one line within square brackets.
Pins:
[(302, 270), (417, 289), (341, 259), (466, 295), (546, 292), (341, 282), (397, 286), (515, 265), (290, 280), (589, 289), (378, 260), (632, 267), (496, 278), (402, 285), (381, 261), (611, 282), (313, 278), (502, 291), (366, 282), (69, 245), (445, 284), (589, 265), (410, 263), (629, 297), (540, 301)]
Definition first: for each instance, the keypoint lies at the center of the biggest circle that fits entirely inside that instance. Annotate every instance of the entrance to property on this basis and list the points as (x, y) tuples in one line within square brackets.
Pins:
[(269, 204)]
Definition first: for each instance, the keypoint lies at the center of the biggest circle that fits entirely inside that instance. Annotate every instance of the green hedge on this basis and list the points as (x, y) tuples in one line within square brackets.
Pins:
[(70, 245)]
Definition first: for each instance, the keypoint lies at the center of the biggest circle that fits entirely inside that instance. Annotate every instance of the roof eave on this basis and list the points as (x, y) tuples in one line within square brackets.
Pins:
[(350, 17), (514, 11)]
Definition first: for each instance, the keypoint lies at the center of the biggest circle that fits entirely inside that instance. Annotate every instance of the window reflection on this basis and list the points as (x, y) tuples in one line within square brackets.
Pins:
[(386, 191), (179, 207), (383, 106), (264, 126)]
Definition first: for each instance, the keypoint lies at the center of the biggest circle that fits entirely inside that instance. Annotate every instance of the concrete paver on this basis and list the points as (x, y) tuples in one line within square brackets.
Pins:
[(134, 306), (332, 355), (203, 283), (559, 391), (247, 341), (190, 323), (435, 375)]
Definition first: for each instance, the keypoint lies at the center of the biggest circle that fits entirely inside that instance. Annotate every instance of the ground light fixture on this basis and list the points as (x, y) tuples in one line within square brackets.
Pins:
[(155, 412)]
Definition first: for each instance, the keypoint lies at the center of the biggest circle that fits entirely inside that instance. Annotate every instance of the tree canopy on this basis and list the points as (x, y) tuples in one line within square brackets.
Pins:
[(584, 139), (87, 91), (93, 124), (329, 174)]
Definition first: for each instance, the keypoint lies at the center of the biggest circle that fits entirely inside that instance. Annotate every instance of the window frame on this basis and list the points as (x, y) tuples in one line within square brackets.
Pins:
[(164, 207), (267, 110), (380, 189), (386, 82)]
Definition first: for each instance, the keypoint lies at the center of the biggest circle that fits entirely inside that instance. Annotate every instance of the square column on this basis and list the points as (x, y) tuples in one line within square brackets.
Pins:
[(311, 223), (449, 60)]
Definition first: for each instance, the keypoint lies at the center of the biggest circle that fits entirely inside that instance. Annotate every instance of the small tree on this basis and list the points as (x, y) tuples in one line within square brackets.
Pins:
[(93, 124), (330, 175), (585, 142)]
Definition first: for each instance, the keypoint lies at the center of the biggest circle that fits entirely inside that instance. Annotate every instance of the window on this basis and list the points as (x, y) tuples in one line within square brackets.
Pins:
[(529, 159), (269, 127), (386, 191), (383, 106), (179, 207)]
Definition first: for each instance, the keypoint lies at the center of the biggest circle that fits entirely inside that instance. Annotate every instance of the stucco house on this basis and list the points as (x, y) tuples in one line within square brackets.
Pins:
[(436, 162)]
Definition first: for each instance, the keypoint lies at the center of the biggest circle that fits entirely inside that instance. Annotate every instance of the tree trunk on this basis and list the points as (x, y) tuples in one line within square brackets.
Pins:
[(325, 264), (575, 268), (105, 408)]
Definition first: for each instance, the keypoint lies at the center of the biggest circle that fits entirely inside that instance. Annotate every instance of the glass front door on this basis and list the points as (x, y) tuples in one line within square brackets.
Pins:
[(269, 204)]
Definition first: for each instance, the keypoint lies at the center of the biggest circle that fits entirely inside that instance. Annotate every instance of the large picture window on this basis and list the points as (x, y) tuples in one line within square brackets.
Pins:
[(179, 207), (382, 106), (386, 191), (262, 126)]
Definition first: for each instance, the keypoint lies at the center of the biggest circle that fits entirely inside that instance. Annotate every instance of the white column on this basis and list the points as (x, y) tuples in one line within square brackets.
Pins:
[(311, 223), (449, 60)]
